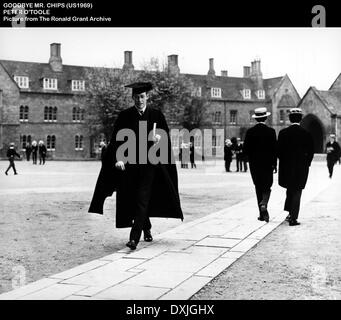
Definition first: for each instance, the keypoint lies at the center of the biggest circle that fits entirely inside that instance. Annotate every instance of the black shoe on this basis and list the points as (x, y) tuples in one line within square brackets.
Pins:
[(131, 244), (16, 173), (260, 218), (294, 223), (264, 213), (288, 218), (6, 173), (147, 236)]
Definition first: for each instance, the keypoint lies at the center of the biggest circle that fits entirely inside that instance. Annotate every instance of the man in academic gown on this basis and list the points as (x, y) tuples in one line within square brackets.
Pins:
[(295, 153), (146, 186), (260, 148)]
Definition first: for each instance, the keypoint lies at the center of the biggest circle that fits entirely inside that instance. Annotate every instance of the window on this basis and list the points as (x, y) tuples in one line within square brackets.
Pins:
[(175, 140), (24, 139), (281, 116), (21, 81), (50, 83), (77, 114), (251, 119), (233, 116), (217, 117), (197, 141), (216, 92), (23, 113), (77, 85), (78, 142), (261, 94), (51, 142), (246, 93), (196, 92), (50, 114)]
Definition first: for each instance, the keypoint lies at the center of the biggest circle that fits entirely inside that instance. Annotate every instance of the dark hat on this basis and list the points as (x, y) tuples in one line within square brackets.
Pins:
[(260, 113), (295, 111), (139, 87)]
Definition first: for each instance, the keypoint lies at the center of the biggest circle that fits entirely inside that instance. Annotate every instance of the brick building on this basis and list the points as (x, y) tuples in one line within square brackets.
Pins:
[(322, 113), (45, 101)]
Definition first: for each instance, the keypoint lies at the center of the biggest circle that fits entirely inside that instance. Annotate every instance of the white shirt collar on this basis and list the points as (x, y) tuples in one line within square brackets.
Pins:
[(295, 123), (141, 110)]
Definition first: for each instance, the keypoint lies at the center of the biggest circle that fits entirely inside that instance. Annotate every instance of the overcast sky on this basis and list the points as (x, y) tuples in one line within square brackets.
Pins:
[(310, 56)]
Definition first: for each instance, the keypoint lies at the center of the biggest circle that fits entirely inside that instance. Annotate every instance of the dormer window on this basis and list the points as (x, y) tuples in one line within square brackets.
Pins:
[(261, 94), (50, 83), (196, 92), (21, 81), (246, 93), (216, 92), (78, 85)]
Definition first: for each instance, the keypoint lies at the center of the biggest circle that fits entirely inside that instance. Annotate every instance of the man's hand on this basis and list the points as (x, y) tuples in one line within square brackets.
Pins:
[(120, 165), (156, 138), (274, 169)]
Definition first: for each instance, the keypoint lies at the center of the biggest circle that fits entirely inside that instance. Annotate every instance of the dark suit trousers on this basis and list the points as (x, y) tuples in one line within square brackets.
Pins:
[(227, 165), (330, 165), (11, 165), (263, 196), (145, 177), (292, 202)]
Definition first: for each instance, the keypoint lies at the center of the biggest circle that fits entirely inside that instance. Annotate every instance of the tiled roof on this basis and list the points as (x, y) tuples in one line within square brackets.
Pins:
[(37, 71), (331, 99), (287, 101), (231, 86)]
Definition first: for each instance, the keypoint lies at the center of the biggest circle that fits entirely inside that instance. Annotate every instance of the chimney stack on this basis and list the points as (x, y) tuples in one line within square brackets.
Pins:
[(246, 71), (256, 73), (128, 60), (223, 73), (55, 60), (173, 66), (211, 71)]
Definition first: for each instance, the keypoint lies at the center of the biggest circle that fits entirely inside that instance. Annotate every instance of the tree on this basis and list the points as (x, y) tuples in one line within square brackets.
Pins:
[(107, 97)]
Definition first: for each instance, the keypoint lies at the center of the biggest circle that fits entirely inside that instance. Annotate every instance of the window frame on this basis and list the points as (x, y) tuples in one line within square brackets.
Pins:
[(22, 82), (216, 92), (50, 83)]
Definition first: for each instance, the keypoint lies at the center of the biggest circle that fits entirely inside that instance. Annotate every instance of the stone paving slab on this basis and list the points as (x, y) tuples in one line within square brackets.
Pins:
[(175, 265)]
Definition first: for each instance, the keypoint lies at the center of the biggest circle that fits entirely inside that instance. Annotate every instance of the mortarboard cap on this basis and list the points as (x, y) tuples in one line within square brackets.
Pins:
[(139, 87)]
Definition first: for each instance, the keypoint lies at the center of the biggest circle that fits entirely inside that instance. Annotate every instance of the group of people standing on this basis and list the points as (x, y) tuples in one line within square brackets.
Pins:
[(36, 149), (187, 153), (235, 147)]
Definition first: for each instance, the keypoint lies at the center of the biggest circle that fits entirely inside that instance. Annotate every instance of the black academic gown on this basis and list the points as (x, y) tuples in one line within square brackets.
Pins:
[(260, 148), (295, 153), (164, 201)]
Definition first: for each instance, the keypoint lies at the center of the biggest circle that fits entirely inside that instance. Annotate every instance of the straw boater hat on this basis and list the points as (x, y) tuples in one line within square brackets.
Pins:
[(295, 111), (332, 135), (261, 113), (11, 144)]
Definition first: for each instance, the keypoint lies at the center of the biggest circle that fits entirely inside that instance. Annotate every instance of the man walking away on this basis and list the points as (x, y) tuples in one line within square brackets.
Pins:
[(11, 153), (333, 153), (260, 148), (295, 153)]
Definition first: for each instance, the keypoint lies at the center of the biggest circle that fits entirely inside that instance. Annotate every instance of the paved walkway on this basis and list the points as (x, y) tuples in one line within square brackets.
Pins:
[(178, 263)]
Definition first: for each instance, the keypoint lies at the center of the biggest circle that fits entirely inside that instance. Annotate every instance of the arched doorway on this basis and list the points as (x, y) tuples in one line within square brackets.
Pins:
[(314, 125)]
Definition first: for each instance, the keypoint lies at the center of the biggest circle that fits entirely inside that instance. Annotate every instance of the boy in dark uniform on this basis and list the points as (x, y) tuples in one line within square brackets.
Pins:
[(11, 154), (333, 153)]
